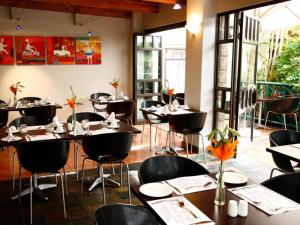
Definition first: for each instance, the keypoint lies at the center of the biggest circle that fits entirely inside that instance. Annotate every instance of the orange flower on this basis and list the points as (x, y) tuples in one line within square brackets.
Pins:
[(223, 151), (71, 102), (115, 83), (170, 91), (13, 89)]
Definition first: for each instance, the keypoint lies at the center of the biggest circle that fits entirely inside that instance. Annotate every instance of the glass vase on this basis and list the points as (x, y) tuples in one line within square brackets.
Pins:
[(170, 103), (15, 99), (116, 93), (73, 120), (220, 191)]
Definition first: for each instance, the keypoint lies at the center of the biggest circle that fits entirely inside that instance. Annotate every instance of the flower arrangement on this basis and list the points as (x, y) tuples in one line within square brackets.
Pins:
[(115, 83), (168, 91), (15, 88), (224, 148), (72, 102)]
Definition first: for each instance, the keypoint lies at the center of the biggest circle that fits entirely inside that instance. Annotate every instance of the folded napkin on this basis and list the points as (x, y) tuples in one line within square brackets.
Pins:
[(78, 129), (55, 121), (175, 102), (111, 117), (10, 136), (19, 104), (165, 110)]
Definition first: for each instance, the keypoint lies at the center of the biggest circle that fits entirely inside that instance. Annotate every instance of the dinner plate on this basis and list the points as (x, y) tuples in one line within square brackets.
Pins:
[(156, 190), (62, 132), (72, 133), (231, 177), (16, 138), (113, 127)]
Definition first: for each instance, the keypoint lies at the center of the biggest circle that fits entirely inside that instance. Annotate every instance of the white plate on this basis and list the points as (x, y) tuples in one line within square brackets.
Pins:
[(72, 133), (113, 127), (16, 138), (233, 178), (156, 190)]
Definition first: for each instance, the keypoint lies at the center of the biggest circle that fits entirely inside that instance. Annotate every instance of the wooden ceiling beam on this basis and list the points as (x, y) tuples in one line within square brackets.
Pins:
[(29, 4), (126, 5), (183, 2)]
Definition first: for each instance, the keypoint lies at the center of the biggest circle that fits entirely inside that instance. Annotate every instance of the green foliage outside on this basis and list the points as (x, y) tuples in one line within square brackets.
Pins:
[(286, 68)]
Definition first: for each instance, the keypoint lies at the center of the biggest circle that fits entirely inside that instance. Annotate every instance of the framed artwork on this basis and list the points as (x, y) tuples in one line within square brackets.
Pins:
[(6, 50), (60, 50), (88, 50), (30, 50)]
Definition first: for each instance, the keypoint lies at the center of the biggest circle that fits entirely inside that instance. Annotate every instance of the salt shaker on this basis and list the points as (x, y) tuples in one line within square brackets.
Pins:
[(243, 208), (232, 210)]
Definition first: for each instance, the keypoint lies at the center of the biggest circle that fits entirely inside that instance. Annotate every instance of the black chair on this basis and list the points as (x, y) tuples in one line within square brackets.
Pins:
[(180, 98), (45, 112), (287, 185), (98, 107), (29, 121), (284, 137), (161, 168), (28, 100), (188, 124), (166, 98), (110, 148), (80, 117), (123, 110), (151, 119), (3, 117), (285, 106), (121, 214), (43, 157)]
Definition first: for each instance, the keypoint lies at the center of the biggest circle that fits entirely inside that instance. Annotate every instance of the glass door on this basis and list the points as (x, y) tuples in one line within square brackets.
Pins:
[(147, 70)]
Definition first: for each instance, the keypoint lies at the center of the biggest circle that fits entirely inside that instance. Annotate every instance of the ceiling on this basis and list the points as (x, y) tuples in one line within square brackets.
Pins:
[(112, 8)]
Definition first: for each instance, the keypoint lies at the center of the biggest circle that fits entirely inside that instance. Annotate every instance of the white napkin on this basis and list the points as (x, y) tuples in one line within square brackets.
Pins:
[(175, 102), (10, 136), (165, 110), (55, 122), (122, 94), (112, 117), (78, 129), (102, 99), (19, 104)]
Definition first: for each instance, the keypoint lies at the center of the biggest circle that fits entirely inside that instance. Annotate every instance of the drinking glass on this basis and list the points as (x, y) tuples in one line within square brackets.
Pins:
[(23, 128)]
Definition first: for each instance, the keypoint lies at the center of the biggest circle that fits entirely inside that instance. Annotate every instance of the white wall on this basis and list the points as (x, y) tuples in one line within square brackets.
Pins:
[(54, 80)]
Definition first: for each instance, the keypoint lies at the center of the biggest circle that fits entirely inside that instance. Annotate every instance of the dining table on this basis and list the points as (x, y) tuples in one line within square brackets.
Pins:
[(291, 151), (204, 201)]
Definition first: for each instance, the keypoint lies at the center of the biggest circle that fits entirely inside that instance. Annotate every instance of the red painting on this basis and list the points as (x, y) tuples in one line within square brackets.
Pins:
[(60, 50), (30, 50), (88, 50), (6, 50)]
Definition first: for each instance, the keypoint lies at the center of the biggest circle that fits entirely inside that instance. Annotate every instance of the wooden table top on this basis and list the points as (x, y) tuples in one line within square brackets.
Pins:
[(204, 201), (286, 150), (64, 136)]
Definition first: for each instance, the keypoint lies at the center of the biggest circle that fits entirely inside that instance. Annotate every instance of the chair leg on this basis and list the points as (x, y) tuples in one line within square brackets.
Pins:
[(155, 135), (128, 181), (203, 149), (14, 169), (31, 190), (284, 121), (103, 185), (266, 120), (82, 176), (191, 150), (150, 138), (296, 121), (143, 132), (271, 175), (121, 175), (187, 146), (63, 192), (166, 146), (76, 160), (66, 183), (113, 169), (20, 183)]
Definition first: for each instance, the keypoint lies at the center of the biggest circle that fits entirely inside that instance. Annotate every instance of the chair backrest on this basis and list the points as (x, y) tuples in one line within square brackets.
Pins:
[(187, 123), (3, 117), (166, 98), (121, 214), (149, 103), (123, 110), (46, 112), (283, 137), (86, 116), (287, 185), (43, 156), (285, 105), (180, 98), (29, 120), (161, 168), (114, 146), (30, 99), (95, 96)]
